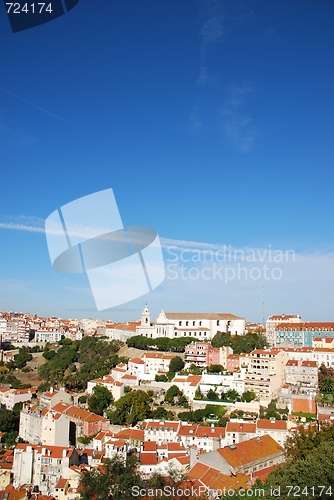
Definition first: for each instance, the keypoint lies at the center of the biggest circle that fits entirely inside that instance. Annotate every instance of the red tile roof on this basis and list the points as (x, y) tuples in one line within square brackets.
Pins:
[(250, 451)]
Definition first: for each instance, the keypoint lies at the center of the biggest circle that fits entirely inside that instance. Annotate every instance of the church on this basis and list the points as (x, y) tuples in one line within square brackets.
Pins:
[(203, 326)]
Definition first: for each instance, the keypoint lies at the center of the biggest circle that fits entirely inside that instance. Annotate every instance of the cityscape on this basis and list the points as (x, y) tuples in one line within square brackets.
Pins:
[(208, 399), (166, 250)]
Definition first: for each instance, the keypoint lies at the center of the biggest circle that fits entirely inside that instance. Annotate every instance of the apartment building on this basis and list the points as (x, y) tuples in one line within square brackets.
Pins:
[(302, 334), (82, 422), (42, 466), (41, 426), (265, 372), (203, 354), (46, 334), (188, 384), (160, 431), (272, 323), (237, 432), (277, 429), (303, 374), (13, 396)]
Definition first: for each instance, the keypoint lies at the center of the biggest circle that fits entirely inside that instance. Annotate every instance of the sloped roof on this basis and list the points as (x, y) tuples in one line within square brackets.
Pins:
[(249, 451)]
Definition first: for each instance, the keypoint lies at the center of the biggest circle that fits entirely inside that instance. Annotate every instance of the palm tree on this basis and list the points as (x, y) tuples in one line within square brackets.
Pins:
[(326, 384)]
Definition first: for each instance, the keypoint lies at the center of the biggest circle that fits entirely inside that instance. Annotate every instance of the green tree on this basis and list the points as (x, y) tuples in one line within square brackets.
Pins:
[(131, 408), (215, 369), (65, 341), (176, 364), (171, 394), (114, 480), (22, 358), (8, 421), (212, 395), (248, 396), (326, 384), (231, 395), (47, 354), (100, 399), (198, 394)]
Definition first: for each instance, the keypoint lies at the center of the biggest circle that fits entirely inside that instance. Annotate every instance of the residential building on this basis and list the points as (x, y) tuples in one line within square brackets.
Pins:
[(115, 387), (272, 323), (202, 354), (82, 422), (237, 432), (13, 396), (303, 374), (42, 466), (210, 480), (48, 335), (302, 334), (246, 457), (323, 342), (188, 384), (160, 431), (41, 426), (265, 372), (277, 429), (52, 397)]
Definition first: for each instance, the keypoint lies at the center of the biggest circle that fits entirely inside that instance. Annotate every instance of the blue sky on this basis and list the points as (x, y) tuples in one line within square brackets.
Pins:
[(213, 123)]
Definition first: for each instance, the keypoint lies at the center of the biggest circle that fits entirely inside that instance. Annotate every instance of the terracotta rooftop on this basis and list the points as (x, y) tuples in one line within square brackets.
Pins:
[(241, 427), (272, 424), (250, 451)]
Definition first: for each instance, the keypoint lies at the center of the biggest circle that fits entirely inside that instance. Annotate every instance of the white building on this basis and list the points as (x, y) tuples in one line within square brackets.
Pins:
[(41, 426), (202, 326), (48, 335), (42, 466)]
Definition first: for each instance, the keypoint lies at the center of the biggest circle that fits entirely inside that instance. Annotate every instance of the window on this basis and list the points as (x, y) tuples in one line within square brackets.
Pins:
[(180, 323), (194, 322), (187, 322)]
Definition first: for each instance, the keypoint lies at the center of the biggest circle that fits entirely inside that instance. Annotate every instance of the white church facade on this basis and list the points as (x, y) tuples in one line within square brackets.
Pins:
[(202, 326)]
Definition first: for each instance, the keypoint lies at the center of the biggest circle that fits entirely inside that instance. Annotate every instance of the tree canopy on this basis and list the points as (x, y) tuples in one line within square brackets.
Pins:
[(240, 343)]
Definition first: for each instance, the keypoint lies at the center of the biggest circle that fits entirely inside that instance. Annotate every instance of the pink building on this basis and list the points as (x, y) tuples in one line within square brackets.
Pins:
[(203, 354), (232, 362)]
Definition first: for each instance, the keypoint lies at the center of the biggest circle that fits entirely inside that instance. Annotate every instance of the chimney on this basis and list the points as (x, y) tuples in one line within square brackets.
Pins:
[(64, 453)]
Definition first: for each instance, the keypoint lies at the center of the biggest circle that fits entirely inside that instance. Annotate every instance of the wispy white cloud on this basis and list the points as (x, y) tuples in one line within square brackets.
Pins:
[(210, 33), (23, 223), (212, 29), (236, 124)]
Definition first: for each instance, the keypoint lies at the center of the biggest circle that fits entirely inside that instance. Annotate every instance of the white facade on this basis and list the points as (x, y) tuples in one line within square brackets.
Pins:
[(202, 326), (40, 426), (42, 466), (47, 335)]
